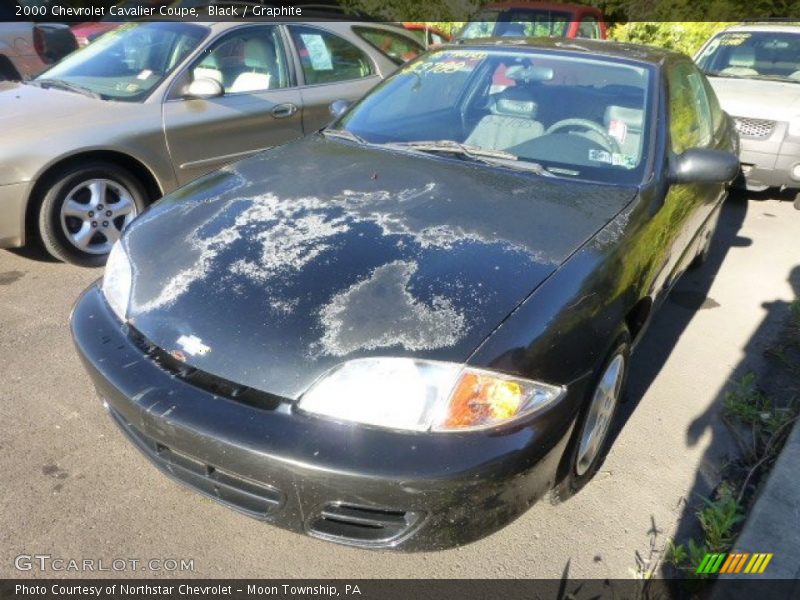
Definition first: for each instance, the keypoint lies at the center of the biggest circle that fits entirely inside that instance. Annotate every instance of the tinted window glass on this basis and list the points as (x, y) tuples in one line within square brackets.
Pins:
[(753, 55), (327, 58), (588, 28), (690, 116), (398, 48), (577, 116), (128, 62), (249, 60), (517, 23)]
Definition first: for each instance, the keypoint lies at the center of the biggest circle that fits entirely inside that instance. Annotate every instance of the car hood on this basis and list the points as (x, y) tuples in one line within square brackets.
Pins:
[(50, 110), (274, 269), (757, 98)]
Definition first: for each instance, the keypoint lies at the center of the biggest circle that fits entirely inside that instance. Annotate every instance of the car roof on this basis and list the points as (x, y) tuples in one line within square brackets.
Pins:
[(635, 52), (779, 27)]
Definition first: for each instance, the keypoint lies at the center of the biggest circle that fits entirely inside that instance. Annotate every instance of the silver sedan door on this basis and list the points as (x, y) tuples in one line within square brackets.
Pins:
[(332, 68), (260, 107)]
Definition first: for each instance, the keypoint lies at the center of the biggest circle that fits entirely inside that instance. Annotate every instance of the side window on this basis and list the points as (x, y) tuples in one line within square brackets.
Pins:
[(327, 58), (689, 114), (396, 47), (249, 60), (589, 28)]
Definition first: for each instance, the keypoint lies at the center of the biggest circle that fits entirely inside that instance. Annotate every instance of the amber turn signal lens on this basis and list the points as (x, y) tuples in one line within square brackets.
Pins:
[(480, 400)]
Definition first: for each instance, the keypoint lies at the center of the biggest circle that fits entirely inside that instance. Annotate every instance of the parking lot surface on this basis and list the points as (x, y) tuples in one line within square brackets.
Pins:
[(73, 488)]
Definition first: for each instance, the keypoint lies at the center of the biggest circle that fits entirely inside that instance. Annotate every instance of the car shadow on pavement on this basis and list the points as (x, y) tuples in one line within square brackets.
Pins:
[(34, 251)]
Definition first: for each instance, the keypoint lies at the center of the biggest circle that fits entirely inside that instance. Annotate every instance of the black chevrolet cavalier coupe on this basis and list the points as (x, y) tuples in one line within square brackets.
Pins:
[(403, 330)]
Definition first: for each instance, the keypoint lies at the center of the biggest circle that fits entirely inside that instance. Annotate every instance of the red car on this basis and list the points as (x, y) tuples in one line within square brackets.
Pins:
[(536, 19)]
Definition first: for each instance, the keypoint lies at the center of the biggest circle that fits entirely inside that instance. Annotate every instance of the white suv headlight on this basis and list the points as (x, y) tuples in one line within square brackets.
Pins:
[(420, 395), (117, 280)]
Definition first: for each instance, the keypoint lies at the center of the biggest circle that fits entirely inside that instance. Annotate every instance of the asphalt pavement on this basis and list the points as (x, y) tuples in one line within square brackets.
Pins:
[(73, 488)]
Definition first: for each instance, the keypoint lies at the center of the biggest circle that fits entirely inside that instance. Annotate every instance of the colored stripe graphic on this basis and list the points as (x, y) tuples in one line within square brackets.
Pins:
[(714, 562)]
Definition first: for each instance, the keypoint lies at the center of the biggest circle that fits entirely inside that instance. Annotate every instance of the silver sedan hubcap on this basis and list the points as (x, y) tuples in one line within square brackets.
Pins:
[(94, 214), (604, 401)]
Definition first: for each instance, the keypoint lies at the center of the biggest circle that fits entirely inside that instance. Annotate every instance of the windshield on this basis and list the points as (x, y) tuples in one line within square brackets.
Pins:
[(516, 23), (575, 117), (128, 62), (753, 55)]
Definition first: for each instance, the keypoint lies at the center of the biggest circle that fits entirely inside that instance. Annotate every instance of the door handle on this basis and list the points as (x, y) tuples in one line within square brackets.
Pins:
[(281, 111)]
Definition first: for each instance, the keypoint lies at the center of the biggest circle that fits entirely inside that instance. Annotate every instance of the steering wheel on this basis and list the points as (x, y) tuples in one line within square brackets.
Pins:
[(608, 142)]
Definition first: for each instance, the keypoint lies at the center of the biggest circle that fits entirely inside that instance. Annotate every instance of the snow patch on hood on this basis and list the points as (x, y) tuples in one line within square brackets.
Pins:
[(381, 312), (291, 232)]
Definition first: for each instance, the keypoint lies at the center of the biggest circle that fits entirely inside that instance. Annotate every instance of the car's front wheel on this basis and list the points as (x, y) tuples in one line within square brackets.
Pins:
[(85, 209), (591, 439)]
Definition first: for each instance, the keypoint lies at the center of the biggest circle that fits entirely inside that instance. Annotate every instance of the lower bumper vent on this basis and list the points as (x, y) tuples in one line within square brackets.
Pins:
[(360, 525)]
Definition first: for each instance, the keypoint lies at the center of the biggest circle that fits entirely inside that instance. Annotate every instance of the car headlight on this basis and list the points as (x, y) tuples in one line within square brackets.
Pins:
[(794, 126), (420, 395), (117, 280)]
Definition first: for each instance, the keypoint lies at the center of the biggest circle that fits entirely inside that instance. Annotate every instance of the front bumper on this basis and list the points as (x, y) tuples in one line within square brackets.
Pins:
[(772, 161), (12, 214), (347, 483)]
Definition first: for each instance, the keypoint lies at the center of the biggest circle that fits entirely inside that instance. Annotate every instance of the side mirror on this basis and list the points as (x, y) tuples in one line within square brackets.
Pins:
[(337, 108), (203, 88), (700, 165)]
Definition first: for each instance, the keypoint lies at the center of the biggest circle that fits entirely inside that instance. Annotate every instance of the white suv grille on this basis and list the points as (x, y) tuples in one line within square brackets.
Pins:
[(757, 128)]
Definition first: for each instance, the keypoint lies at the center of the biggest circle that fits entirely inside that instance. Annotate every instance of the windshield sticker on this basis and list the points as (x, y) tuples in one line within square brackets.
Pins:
[(618, 130), (623, 160), (453, 61), (616, 159), (318, 52), (734, 39), (600, 156), (144, 74)]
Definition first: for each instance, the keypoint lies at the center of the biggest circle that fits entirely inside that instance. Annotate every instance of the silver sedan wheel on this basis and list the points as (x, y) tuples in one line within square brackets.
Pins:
[(601, 411), (94, 214)]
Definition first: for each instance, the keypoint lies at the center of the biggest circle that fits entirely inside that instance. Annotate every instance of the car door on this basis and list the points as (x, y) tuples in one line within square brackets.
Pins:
[(690, 126), (331, 68), (260, 107)]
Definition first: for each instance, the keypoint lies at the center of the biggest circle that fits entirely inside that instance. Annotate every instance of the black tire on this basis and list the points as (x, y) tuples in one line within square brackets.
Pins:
[(573, 478), (52, 233)]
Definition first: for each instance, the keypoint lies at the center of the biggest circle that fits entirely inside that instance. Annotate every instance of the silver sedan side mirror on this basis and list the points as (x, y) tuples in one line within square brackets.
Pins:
[(204, 88)]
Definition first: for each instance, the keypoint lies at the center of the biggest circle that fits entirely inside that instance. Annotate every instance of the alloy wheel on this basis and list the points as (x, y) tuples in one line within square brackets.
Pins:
[(94, 214), (601, 411)]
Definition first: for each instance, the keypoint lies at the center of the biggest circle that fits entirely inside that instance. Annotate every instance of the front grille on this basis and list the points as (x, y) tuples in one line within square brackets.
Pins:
[(755, 128), (203, 379), (346, 523), (254, 499)]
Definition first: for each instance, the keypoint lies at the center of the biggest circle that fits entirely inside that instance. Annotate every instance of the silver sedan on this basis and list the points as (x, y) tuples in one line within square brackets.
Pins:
[(150, 106)]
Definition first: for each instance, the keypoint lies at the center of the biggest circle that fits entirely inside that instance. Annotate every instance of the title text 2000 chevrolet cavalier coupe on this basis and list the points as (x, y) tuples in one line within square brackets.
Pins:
[(403, 330)]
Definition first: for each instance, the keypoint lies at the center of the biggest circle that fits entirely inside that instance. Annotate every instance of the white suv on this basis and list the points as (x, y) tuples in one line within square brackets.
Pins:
[(755, 71)]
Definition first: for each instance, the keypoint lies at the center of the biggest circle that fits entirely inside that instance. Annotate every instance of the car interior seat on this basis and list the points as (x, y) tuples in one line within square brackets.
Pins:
[(629, 136), (512, 121), (261, 67), (208, 69), (741, 62)]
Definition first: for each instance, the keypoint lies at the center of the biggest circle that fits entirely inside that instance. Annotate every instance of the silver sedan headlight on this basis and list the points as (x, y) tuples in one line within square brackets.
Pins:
[(117, 280), (420, 395)]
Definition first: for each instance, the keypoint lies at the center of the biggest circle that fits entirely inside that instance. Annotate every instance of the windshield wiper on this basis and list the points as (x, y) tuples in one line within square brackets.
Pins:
[(65, 85), (493, 157), (345, 135)]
